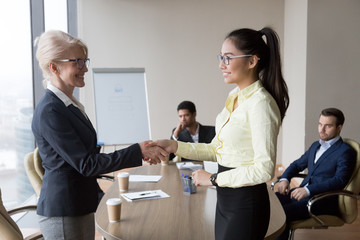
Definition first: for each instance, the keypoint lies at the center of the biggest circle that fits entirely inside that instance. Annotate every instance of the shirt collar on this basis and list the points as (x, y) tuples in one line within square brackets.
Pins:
[(330, 142), (197, 130), (64, 98), (249, 90), (242, 94)]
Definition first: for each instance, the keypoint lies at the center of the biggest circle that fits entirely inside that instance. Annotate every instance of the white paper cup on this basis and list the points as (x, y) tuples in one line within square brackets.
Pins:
[(114, 209), (123, 179), (166, 162)]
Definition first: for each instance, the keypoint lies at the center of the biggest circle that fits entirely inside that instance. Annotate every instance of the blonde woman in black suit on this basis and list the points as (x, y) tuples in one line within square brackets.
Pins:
[(68, 145)]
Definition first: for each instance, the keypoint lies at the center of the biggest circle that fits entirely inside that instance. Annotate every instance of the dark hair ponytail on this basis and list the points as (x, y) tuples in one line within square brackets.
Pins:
[(250, 41)]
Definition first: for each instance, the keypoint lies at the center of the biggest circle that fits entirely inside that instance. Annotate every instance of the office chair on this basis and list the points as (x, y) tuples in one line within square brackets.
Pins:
[(348, 197), (9, 230), (35, 171)]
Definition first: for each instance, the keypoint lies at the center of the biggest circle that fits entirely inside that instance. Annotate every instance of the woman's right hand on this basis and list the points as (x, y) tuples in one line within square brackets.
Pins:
[(170, 146), (152, 153)]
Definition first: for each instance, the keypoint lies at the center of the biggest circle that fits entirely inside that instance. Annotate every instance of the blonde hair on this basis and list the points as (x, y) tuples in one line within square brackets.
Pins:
[(52, 45)]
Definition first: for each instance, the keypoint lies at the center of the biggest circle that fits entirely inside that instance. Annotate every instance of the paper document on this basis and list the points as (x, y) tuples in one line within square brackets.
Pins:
[(211, 167), (188, 166), (144, 178), (151, 194)]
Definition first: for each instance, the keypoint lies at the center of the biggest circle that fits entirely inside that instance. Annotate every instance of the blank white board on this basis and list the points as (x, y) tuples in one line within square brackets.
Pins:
[(121, 105)]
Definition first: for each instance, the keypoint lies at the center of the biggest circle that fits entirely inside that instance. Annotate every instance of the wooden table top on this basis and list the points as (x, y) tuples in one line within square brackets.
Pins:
[(182, 216)]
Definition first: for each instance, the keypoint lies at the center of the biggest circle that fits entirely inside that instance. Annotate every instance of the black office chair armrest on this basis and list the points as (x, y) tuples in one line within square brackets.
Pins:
[(328, 194), (298, 175), (106, 177)]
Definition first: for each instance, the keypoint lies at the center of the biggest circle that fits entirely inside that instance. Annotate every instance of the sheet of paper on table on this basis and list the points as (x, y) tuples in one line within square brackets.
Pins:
[(144, 178), (144, 195), (188, 166)]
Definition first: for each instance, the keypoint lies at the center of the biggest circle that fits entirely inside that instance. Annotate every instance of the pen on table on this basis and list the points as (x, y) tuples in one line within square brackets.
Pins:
[(147, 193)]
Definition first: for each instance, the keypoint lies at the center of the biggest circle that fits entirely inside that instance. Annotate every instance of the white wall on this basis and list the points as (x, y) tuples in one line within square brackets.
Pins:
[(321, 56), (176, 42), (333, 64), (295, 43)]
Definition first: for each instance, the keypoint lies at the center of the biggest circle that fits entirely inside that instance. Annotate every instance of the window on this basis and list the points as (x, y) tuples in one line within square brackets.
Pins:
[(16, 100), (55, 15), (19, 91)]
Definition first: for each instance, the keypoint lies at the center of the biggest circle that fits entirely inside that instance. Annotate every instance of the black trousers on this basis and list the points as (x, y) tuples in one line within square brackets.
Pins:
[(242, 213)]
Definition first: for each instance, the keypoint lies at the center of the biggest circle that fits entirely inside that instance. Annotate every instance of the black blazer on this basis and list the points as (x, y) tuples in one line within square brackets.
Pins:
[(206, 135), (67, 144)]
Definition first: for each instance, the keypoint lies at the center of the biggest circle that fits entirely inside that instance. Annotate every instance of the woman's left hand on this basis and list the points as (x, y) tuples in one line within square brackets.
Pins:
[(201, 178)]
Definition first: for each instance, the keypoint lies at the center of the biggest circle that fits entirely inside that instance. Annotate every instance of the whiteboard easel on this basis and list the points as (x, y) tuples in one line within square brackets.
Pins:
[(121, 105)]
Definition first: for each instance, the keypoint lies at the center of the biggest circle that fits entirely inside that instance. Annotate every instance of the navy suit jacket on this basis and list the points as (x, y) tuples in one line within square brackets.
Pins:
[(67, 144), (206, 135), (331, 172)]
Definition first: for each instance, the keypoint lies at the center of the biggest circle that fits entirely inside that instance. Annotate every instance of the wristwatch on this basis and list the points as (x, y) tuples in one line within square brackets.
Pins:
[(213, 179)]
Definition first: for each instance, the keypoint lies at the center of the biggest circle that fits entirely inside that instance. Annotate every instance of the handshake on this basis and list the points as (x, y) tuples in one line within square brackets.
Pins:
[(154, 152)]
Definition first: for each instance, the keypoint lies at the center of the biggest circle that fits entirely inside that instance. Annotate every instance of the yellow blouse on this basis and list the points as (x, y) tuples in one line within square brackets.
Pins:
[(245, 140)]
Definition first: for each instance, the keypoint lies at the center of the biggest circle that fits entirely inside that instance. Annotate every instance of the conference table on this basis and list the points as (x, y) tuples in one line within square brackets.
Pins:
[(181, 216)]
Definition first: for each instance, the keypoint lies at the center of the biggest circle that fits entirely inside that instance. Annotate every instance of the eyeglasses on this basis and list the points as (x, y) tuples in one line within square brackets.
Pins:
[(80, 63), (226, 59)]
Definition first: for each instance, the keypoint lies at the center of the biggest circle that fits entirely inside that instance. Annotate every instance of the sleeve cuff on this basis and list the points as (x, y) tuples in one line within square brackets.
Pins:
[(222, 180), (283, 179), (181, 148)]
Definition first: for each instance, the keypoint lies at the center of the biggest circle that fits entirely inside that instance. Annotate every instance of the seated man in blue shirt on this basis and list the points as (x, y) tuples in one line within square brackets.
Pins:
[(188, 129), (330, 163)]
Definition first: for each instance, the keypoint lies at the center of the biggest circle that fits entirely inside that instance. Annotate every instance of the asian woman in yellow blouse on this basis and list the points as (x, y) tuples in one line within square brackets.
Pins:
[(246, 134)]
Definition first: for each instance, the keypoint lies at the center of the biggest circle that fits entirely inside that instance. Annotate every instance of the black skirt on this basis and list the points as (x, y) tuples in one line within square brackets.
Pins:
[(242, 213)]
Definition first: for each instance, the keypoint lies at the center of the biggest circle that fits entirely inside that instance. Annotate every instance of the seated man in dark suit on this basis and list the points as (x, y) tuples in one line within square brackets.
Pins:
[(188, 129), (330, 163)]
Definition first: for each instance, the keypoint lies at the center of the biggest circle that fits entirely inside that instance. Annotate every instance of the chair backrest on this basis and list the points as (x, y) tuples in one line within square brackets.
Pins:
[(8, 228), (348, 205), (32, 173), (38, 163)]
